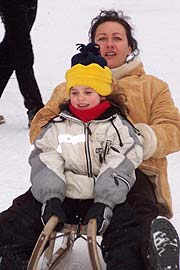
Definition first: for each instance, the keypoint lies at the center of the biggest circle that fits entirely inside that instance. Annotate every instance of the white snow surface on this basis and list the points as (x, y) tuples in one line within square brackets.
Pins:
[(58, 27)]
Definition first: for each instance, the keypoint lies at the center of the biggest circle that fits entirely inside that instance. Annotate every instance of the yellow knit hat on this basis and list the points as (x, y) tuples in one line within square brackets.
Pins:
[(89, 69), (93, 76)]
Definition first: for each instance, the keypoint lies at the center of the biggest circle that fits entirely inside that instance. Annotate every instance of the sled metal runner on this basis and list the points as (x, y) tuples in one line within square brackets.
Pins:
[(70, 234)]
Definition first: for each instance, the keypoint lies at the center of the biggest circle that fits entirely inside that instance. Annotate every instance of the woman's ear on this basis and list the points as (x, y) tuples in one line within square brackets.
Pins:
[(129, 51)]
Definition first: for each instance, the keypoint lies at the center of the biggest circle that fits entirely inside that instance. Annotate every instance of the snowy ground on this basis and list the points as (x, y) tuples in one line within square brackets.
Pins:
[(58, 27)]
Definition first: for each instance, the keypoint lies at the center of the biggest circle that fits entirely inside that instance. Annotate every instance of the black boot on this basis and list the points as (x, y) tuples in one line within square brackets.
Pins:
[(164, 247)]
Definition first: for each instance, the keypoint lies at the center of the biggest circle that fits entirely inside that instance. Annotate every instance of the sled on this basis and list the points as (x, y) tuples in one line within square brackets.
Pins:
[(43, 256)]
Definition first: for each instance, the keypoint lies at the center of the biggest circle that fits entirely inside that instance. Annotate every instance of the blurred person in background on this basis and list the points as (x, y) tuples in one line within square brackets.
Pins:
[(16, 52)]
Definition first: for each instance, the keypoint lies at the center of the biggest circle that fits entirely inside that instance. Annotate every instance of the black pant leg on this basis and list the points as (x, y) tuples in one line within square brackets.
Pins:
[(6, 66), (20, 227), (29, 89), (143, 200), (120, 244), (17, 31), (32, 12)]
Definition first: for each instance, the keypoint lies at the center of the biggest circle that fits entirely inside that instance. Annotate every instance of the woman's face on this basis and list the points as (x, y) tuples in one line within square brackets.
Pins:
[(112, 39)]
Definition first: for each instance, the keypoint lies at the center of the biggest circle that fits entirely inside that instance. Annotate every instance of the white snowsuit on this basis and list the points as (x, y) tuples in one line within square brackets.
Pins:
[(86, 160)]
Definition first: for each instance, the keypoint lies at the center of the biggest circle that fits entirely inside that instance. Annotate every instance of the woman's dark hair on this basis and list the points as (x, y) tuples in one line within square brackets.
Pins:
[(114, 16), (119, 101), (64, 105)]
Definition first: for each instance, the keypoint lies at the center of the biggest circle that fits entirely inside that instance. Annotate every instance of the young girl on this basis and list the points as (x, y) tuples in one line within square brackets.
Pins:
[(83, 164), (82, 167)]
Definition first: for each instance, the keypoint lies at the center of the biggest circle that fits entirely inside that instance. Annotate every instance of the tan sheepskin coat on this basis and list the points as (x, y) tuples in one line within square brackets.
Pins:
[(149, 101)]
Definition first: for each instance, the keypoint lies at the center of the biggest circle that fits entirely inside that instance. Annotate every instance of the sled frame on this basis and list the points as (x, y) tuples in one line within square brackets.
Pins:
[(70, 234)]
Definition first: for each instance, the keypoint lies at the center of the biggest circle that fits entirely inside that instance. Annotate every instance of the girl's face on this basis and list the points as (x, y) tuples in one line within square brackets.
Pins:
[(112, 39), (83, 97)]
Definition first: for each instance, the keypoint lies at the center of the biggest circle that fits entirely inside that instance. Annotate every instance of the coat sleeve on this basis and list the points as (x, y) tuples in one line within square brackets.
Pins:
[(150, 102), (49, 111), (117, 173), (47, 167), (165, 121)]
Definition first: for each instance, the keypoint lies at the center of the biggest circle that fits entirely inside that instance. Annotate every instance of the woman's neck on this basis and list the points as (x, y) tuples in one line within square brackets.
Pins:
[(121, 71)]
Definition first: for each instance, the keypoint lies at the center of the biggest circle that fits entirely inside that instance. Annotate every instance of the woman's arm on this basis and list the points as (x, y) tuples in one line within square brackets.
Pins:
[(165, 121), (49, 111)]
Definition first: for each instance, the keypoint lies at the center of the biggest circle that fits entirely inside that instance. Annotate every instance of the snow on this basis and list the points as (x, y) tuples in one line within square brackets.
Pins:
[(58, 27)]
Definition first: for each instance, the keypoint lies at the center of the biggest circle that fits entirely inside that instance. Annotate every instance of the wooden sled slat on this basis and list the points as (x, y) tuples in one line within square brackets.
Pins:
[(47, 258), (42, 240), (92, 246), (61, 252), (50, 259)]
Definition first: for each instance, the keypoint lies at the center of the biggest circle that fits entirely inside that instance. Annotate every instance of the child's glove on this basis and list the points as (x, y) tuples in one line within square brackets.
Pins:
[(103, 215), (53, 207)]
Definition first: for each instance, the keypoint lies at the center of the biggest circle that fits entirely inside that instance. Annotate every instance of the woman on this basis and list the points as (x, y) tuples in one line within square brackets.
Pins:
[(151, 108)]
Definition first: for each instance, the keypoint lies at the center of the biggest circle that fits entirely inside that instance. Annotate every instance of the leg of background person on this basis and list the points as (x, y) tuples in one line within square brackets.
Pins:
[(143, 200), (6, 67), (121, 241), (26, 80), (17, 26), (32, 13), (20, 227)]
